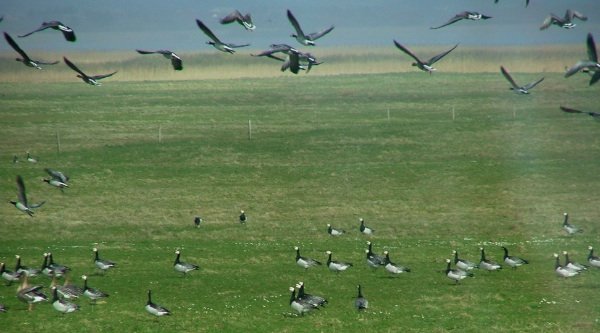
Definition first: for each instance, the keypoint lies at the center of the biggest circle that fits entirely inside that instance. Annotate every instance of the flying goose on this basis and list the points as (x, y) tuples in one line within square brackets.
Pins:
[(514, 87), (487, 264), (374, 260), (592, 259), (299, 305), (466, 15), (563, 22), (22, 204), (595, 115), (102, 264), (92, 293), (568, 227), (92, 80), (573, 265), (561, 270), (58, 175), (24, 57), (175, 59), (463, 264), (29, 271), (526, 2), (392, 267), (275, 48), (67, 32), (305, 262), (426, 66), (243, 217), (56, 183), (334, 232), (513, 261), (312, 299), (456, 274), (364, 229), (302, 38), (236, 16), (224, 47), (183, 267), (591, 64), (361, 303), (337, 266), (30, 294), (9, 276), (154, 308), (61, 305)]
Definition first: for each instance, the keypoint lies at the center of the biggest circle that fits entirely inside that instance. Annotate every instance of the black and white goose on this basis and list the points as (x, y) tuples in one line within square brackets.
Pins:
[(22, 269), (595, 115), (243, 217), (301, 37), (392, 267), (61, 305), (334, 232), (22, 204), (524, 90), (59, 175), (67, 290), (9, 276), (426, 66), (197, 221), (176, 61), (592, 259), (456, 274), (591, 64), (59, 270), (360, 303), (93, 80), (462, 263), (102, 264), (487, 264), (30, 294), (574, 266), (183, 267), (364, 229), (154, 308), (216, 42), (374, 260), (563, 22), (67, 32), (312, 299), (3, 308), (299, 305), (466, 15), (244, 20), (561, 270), (25, 59), (92, 293), (513, 261), (45, 269), (56, 183), (305, 262), (337, 266), (568, 227)]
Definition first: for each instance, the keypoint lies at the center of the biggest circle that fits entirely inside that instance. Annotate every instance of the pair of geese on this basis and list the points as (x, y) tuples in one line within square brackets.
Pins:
[(57, 179), (303, 302)]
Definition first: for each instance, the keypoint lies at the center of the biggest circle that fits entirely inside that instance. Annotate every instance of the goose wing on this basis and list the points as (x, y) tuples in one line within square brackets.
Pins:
[(570, 110), (508, 77), (176, 62), (102, 76), (57, 175), (16, 47), (238, 45), (434, 59), (579, 66), (207, 31), (533, 84), (455, 19), (145, 52), (294, 62), (549, 20), (591, 48), (21, 191), (570, 14), (73, 67), (43, 26), (295, 23), (317, 35), (595, 78), (232, 17), (407, 51)]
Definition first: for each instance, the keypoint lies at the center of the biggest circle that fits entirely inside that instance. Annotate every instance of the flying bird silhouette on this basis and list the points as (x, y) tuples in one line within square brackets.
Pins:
[(24, 57), (92, 80), (426, 66), (301, 37), (596, 115), (516, 88), (218, 44), (68, 33), (236, 16), (563, 22), (22, 204), (466, 15), (589, 65), (175, 59)]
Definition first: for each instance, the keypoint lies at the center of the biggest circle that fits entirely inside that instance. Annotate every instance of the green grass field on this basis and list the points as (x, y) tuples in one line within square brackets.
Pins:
[(323, 149)]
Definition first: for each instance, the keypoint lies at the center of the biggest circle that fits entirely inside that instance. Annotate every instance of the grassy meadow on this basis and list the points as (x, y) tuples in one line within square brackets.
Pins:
[(434, 163)]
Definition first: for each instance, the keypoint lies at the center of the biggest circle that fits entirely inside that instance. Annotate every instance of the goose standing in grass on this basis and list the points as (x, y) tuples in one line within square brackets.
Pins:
[(466, 15), (312, 299), (595, 115), (392, 267), (9, 276), (591, 64), (561, 270), (301, 37), (568, 227), (337, 266), (563, 22), (592, 259), (487, 264), (21, 269), (333, 231), (426, 66), (92, 293), (46, 270), (574, 266), (102, 264), (183, 267), (523, 90), (58, 269), (197, 221), (93, 80), (513, 261), (462, 263), (24, 57), (216, 42), (67, 32), (31, 159), (22, 203), (361, 303), (364, 229), (374, 260), (30, 294), (176, 61), (244, 20), (305, 262), (154, 308), (61, 305), (456, 274), (67, 290), (243, 217), (299, 305)]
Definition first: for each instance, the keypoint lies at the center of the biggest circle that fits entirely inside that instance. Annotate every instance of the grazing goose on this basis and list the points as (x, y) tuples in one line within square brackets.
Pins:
[(28, 271), (30, 294), (466, 15), (299, 305), (364, 229), (67, 32), (224, 47), (568, 227), (312, 299), (591, 64), (243, 20), (426, 66), (58, 175), (563, 22), (61, 305), (524, 90), (156, 309), (561, 270), (102, 264), (93, 80), (22, 203), (183, 267), (303, 38), (337, 266), (592, 259), (9, 276), (392, 267), (595, 115), (574, 266), (334, 232), (526, 2), (92, 293), (513, 261), (463, 264), (243, 217), (305, 262), (197, 221), (24, 57), (361, 303), (487, 264), (31, 159), (374, 260), (175, 59), (456, 274)]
